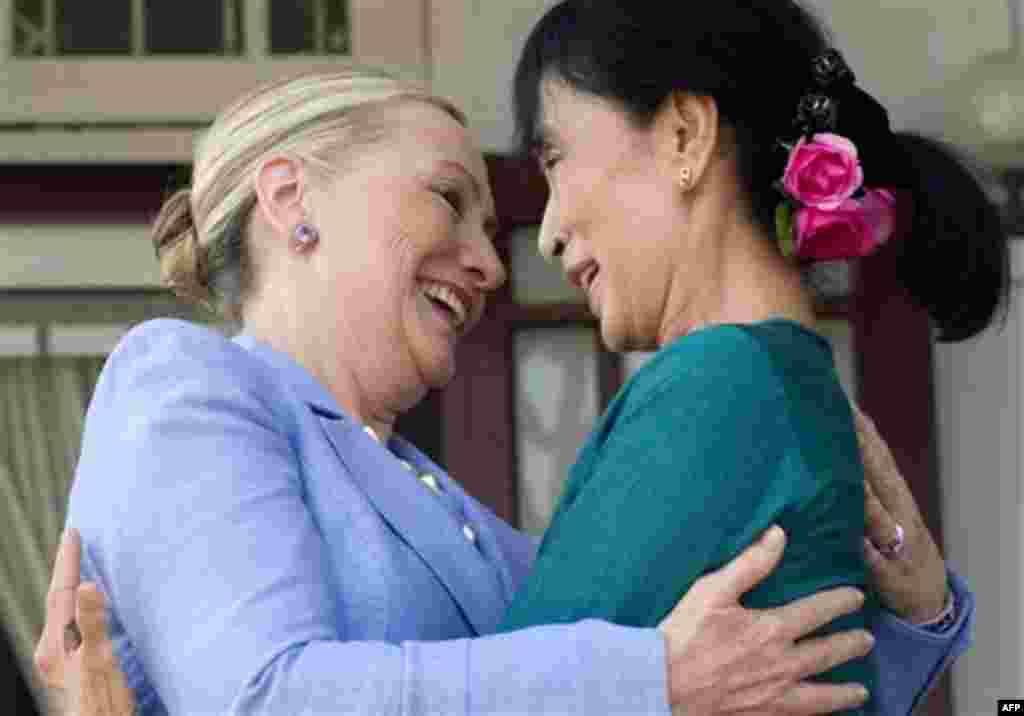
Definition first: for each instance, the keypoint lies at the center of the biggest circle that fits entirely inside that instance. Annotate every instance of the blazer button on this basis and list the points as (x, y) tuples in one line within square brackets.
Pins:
[(431, 482), (470, 534)]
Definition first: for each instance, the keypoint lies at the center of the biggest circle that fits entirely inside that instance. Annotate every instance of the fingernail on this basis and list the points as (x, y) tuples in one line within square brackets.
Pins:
[(863, 694), (72, 637), (90, 597), (773, 533)]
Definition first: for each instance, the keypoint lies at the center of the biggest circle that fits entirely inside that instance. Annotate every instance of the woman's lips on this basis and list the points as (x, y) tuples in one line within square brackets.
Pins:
[(589, 276), (458, 306), (583, 275), (592, 293)]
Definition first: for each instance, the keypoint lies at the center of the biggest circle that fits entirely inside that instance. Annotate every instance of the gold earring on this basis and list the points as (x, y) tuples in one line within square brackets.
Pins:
[(685, 178)]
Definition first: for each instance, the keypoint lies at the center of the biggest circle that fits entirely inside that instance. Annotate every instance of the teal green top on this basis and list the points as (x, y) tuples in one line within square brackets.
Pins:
[(723, 433)]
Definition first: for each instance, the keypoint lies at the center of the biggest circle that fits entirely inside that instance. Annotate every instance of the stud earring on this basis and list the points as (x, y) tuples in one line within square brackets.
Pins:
[(685, 178), (304, 237)]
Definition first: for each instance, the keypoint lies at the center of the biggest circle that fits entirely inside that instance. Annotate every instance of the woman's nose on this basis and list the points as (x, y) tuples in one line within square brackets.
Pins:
[(551, 239), (484, 264)]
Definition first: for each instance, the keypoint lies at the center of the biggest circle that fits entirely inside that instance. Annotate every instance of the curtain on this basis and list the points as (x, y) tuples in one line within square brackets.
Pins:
[(42, 408)]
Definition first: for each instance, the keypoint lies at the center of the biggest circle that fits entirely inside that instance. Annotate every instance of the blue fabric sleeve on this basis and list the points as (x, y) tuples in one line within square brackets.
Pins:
[(190, 503), (910, 659)]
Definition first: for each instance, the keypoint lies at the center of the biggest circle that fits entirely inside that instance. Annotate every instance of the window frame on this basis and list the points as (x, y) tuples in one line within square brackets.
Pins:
[(88, 96)]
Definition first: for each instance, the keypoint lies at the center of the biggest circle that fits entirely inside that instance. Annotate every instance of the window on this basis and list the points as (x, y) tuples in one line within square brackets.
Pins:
[(130, 81), (192, 27), (131, 28), (137, 28), (319, 27)]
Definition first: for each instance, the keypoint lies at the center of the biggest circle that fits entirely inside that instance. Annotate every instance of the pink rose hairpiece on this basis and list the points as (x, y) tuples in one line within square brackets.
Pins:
[(827, 213)]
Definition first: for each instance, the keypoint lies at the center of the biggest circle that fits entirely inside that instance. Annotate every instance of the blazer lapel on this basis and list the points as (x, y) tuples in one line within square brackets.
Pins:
[(477, 514), (415, 515), (423, 522)]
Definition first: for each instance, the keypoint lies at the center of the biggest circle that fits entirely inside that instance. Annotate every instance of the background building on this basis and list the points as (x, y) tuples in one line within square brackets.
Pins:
[(99, 104)]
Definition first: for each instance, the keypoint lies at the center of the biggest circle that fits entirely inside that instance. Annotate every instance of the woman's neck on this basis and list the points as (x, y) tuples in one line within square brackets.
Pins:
[(750, 282), (359, 390)]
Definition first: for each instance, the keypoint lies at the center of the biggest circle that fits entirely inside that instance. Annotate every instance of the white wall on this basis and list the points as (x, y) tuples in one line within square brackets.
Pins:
[(904, 51), (475, 46), (979, 399), (907, 52), (53, 256)]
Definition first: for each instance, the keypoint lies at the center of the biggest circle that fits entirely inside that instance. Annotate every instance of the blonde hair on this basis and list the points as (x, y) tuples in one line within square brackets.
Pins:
[(199, 234)]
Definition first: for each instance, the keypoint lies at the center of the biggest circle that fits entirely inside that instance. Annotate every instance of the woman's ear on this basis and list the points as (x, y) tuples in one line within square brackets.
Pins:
[(687, 125), (281, 188)]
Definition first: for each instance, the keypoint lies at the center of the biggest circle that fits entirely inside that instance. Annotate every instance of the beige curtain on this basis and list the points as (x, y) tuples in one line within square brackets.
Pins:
[(42, 407)]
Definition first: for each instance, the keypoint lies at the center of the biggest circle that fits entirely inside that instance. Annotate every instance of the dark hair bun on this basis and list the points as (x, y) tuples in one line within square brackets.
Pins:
[(955, 262)]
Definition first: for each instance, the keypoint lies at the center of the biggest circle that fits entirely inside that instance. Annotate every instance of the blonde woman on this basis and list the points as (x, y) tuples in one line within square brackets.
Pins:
[(264, 541)]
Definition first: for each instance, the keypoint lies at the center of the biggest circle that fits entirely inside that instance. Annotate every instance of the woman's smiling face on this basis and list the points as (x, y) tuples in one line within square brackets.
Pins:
[(409, 254), (615, 207)]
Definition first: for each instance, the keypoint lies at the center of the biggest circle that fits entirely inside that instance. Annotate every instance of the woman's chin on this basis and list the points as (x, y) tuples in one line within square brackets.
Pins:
[(433, 342), (438, 368), (612, 335)]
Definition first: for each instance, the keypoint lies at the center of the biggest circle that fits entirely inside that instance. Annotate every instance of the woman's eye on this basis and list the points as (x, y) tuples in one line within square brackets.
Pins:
[(547, 157), (550, 161), (453, 199)]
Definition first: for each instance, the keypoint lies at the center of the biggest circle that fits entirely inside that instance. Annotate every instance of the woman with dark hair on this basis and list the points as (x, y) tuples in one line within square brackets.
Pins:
[(698, 161)]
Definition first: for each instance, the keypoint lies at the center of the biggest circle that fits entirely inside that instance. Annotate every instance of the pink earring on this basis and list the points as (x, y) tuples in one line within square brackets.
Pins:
[(304, 237)]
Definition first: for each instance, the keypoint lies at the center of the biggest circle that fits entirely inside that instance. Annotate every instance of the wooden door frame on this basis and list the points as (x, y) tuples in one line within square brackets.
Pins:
[(895, 380)]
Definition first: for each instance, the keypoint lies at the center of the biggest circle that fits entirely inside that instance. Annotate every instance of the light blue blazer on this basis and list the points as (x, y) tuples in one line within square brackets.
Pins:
[(263, 554)]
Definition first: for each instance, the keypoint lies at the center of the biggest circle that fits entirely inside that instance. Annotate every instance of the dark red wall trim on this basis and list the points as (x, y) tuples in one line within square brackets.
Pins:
[(893, 340), (85, 193)]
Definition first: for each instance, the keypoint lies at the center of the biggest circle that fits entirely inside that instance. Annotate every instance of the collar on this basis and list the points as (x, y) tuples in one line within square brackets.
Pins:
[(309, 389)]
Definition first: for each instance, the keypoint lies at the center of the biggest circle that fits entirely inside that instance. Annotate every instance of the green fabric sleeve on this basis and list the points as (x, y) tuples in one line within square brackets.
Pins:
[(693, 465)]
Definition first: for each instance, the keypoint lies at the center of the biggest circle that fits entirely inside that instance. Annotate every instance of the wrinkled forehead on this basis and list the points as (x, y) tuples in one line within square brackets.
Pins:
[(434, 131), (431, 132), (416, 137)]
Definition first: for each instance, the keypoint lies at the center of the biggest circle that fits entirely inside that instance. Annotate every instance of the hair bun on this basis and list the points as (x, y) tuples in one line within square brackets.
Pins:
[(182, 258)]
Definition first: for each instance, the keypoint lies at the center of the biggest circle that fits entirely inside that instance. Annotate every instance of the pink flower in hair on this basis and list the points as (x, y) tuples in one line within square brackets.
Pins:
[(823, 172), (857, 227)]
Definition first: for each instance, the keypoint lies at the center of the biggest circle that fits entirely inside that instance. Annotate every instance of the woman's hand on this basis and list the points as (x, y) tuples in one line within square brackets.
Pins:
[(911, 580), (79, 660), (726, 659), (722, 657)]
